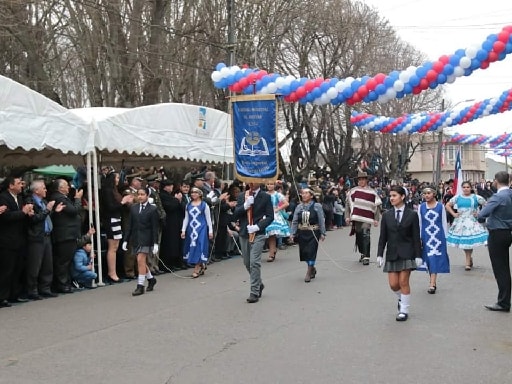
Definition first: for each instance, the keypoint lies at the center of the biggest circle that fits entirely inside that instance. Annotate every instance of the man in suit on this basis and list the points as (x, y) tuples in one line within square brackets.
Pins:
[(498, 213), (257, 204), (13, 215), (67, 229), (40, 254), (142, 231)]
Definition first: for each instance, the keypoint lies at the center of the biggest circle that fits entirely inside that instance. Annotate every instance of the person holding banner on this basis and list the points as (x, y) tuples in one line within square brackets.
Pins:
[(255, 212)]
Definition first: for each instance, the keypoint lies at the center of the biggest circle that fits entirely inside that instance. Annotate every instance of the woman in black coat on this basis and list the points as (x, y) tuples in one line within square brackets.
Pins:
[(400, 236), (171, 244)]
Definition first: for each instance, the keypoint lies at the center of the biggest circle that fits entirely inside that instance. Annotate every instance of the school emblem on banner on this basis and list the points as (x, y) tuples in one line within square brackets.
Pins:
[(255, 138)]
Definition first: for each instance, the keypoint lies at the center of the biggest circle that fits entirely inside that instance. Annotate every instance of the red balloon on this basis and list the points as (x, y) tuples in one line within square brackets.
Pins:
[(356, 97), (431, 75), (424, 84), (301, 92), (445, 59), (243, 82), (484, 64), (319, 81), (293, 97), (493, 56), (379, 78), (498, 46), (371, 84), (362, 92), (503, 37), (416, 90), (438, 67), (310, 85), (237, 88)]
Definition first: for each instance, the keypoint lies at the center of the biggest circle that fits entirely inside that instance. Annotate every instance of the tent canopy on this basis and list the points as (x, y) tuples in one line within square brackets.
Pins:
[(56, 170)]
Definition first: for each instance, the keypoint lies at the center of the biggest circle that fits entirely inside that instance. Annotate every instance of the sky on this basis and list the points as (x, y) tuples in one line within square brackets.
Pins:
[(439, 27)]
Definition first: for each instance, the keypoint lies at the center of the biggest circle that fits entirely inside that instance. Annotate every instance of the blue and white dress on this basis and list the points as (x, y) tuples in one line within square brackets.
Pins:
[(433, 227), (196, 225), (279, 227), (466, 232)]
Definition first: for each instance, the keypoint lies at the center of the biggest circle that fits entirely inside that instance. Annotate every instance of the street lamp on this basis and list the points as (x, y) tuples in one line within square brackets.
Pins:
[(440, 140)]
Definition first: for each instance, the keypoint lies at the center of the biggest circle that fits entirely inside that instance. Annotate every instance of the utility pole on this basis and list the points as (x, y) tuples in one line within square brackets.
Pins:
[(231, 32), (439, 150)]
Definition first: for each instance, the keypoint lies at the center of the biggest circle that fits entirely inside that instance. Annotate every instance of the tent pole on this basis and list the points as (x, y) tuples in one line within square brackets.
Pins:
[(97, 215), (89, 196)]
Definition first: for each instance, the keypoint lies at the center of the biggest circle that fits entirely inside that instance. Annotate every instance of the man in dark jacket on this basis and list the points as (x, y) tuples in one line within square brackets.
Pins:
[(39, 269), (13, 215), (66, 231)]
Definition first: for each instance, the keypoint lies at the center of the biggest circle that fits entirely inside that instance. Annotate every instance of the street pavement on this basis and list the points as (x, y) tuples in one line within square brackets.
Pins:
[(340, 328)]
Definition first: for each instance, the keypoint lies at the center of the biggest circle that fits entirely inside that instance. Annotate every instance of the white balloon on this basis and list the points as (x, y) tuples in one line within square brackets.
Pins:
[(280, 82), (324, 99), (264, 90), (398, 85), (465, 62), (272, 87), (332, 93), (450, 79), (390, 93), (458, 71), (471, 51), (448, 121), (340, 86), (216, 76), (404, 77), (411, 70), (224, 72)]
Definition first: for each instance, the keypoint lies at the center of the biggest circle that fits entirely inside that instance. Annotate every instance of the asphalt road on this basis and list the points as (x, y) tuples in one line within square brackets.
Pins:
[(340, 328)]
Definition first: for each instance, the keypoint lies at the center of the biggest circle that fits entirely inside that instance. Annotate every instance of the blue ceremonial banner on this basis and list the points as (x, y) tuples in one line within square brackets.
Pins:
[(255, 138)]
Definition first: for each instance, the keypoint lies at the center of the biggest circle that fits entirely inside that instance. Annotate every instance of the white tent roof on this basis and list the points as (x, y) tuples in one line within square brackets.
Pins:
[(180, 131), (31, 121)]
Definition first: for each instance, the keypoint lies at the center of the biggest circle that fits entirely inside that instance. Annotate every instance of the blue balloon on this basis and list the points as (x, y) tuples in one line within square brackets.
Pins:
[(239, 75), (414, 80), (285, 89), (294, 85), (468, 71), (355, 85), (481, 55), (487, 45), (421, 72), (309, 97), (502, 55), (433, 85), (441, 78), (492, 38), (388, 82), (455, 59), (333, 82), (373, 95), (347, 93), (400, 94), (475, 64), (220, 66), (324, 87), (448, 69), (407, 88), (380, 89)]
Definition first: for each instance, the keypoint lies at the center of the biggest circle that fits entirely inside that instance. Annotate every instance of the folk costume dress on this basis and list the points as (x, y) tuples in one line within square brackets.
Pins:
[(197, 224), (308, 225), (433, 228), (466, 232), (279, 227)]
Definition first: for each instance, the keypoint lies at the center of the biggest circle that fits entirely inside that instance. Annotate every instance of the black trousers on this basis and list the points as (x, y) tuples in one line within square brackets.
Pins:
[(39, 266), (498, 245), (63, 253), (8, 260)]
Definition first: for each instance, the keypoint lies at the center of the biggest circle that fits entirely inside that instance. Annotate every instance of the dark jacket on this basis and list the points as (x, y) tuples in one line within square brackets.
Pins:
[(67, 224), (12, 222), (402, 241), (262, 210), (143, 226)]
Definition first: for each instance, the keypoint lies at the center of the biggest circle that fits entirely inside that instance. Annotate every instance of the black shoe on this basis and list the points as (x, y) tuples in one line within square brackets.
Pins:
[(64, 289), (366, 261), (34, 297), (252, 299), (151, 284), (18, 300), (5, 304), (138, 291), (432, 289), (110, 280), (361, 258), (402, 317), (497, 308), (262, 287), (48, 294), (313, 273)]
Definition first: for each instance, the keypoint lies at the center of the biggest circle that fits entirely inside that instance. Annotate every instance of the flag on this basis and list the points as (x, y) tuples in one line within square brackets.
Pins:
[(457, 180)]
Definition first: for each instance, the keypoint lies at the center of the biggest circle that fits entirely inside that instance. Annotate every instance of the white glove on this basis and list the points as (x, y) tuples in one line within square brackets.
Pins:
[(380, 261), (419, 261), (248, 202), (253, 228), (124, 246), (210, 194), (155, 249)]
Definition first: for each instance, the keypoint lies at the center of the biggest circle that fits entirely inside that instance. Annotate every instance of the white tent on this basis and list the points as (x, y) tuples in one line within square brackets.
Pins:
[(30, 121), (175, 131)]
